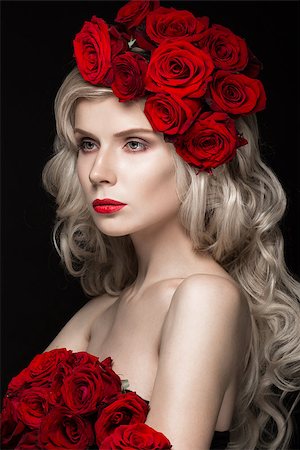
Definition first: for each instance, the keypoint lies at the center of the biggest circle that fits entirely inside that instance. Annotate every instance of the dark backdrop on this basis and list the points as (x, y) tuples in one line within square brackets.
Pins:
[(37, 296)]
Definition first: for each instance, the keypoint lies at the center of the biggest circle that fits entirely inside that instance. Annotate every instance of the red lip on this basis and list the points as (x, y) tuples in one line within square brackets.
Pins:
[(106, 201), (107, 205)]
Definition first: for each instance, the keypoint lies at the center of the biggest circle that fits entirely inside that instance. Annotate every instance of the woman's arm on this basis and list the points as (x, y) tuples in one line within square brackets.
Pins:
[(202, 346)]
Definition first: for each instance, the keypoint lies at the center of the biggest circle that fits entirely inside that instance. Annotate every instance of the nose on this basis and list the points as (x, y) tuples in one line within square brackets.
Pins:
[(103, 168)]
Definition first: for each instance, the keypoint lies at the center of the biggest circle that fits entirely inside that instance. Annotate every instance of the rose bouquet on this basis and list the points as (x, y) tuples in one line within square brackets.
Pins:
[(71, 400)]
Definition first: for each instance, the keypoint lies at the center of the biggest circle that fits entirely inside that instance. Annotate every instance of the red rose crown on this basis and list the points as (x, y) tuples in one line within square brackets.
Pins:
[(197, 78)]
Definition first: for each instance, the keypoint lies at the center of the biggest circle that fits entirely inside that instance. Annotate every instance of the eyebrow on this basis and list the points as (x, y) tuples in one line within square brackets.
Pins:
[(120, 134)]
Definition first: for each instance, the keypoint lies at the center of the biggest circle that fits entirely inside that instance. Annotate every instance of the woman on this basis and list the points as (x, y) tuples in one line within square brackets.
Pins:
[(209, 307)]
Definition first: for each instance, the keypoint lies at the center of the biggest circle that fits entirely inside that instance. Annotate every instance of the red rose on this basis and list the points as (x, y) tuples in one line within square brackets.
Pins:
[(170, 23), (29, 441), (235, 93), (129, 76), (11, 428), (170, 114), (83, 383), (253, 67), (137, 436), (62, 429), (93, 52), (124, 409), (179, 68), (63, 370), (39, 371), (118, 41), (142, 40), (228, 51), (107, 363), (33, 405), (211, 141), (83, 389), (135, 11), (84, 358), (19, 382), (42, 366), (111, 381)]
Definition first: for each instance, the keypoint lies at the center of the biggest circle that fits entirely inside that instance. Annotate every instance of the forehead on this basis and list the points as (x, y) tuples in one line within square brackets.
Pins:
[(109, 114)]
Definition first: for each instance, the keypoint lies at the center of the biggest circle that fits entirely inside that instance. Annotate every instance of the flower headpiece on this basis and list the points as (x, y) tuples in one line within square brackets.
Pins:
[(197, 78)]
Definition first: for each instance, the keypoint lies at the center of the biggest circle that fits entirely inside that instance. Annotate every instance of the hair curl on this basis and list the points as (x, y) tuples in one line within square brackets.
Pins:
[(233, 214)]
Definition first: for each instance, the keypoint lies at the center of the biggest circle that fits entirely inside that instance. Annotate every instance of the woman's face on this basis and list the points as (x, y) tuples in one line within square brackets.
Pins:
[(122, 159)]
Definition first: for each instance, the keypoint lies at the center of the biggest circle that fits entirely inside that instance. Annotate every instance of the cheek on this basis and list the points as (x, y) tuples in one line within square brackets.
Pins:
[(158, 190)]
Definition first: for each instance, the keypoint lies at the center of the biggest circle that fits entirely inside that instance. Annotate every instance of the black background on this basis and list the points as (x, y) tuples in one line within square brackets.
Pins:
[(37, 296)]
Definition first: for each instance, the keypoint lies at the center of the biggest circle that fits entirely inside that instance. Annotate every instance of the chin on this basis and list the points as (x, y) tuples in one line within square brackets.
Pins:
[(114, 233), (123, 227), (112, 229)]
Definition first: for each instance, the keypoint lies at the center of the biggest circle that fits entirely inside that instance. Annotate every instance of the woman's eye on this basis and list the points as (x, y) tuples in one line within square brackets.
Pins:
[(133, 146), (136, 146), (86, 146)]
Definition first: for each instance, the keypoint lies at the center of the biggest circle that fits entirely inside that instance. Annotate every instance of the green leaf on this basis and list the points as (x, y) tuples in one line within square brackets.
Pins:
[(124, 385), (131, 42)]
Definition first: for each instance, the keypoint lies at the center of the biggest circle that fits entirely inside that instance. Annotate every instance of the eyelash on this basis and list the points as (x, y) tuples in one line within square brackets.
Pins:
[(82, 143), (145, 146), (87, 141)]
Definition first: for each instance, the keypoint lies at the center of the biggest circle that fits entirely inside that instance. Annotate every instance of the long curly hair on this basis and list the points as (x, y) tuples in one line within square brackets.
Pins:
[(232, 214)]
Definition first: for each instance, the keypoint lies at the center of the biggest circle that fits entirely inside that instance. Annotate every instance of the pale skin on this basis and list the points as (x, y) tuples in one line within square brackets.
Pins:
[(180, 332)]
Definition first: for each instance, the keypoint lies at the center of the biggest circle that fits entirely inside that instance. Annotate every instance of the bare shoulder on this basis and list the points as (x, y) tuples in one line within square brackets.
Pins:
[(211, 307), (212, 292), (213, 304), (200, 357), (75, 334)]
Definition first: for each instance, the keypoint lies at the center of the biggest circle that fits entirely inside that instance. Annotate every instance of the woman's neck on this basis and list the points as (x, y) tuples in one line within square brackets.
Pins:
[(163, 253)]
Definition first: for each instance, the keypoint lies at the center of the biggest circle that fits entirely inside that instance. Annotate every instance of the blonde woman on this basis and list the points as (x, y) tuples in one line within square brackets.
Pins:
[(179, 249)]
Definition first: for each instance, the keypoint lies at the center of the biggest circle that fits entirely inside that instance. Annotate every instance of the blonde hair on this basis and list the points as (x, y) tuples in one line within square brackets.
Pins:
[(234, 215)]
